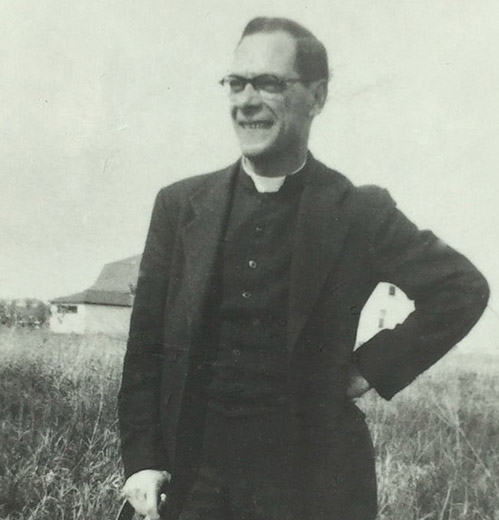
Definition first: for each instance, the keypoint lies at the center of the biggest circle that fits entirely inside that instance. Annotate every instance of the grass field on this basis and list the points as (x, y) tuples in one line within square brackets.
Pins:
[(437, 442)]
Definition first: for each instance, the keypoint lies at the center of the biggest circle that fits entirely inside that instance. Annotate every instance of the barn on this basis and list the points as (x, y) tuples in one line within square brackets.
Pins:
[(104, 308)]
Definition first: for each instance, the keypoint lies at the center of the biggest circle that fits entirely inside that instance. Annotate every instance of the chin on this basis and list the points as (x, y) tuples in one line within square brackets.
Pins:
[(257, 144), (252, 152), (257, 148)]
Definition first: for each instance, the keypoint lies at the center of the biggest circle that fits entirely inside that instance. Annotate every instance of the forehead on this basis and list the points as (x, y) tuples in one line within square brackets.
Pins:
[(265, 53)]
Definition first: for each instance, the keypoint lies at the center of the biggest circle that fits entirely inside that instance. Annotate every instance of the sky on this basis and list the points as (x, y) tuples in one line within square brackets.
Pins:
[(103, 103)]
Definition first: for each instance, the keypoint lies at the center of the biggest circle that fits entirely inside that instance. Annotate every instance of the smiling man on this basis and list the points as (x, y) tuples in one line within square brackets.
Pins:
[(237, 397), (272, 118)]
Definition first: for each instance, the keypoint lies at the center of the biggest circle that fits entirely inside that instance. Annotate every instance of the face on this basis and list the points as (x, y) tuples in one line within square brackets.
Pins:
[(276, 124)]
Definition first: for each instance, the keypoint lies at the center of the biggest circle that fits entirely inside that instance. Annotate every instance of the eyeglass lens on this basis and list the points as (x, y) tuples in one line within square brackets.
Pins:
[(266, 83)]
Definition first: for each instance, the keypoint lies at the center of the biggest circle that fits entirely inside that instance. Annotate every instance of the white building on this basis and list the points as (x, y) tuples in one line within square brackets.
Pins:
[(388, 306), (104, 308)]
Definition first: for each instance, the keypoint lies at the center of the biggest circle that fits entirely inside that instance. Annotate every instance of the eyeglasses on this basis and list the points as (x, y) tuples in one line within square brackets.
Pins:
[(265, 83)]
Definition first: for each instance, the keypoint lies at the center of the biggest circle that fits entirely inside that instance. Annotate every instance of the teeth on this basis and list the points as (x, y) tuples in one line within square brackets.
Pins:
[(255, 126)]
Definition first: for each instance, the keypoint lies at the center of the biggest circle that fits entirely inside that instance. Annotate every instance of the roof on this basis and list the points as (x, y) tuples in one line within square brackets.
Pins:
[(93, 297), (112, 287), (118, 276)]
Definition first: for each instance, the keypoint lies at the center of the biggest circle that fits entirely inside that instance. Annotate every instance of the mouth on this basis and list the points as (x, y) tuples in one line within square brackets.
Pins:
[(255, 125)]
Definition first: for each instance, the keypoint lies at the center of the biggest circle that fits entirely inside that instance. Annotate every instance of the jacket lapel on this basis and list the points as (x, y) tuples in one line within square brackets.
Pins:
[(321, 229), (320, 233), (201, 238)]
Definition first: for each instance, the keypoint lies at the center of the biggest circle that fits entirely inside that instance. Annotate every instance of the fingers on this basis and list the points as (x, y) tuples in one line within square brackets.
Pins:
[(150, 505), (145, 503), (154, 515)]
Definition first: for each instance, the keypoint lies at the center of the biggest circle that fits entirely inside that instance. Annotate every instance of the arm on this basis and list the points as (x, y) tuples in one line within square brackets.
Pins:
[(139, 396), (449, 295)]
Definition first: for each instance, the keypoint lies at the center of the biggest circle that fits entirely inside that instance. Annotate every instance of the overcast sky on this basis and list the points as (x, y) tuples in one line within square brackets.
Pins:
[(104, 102)]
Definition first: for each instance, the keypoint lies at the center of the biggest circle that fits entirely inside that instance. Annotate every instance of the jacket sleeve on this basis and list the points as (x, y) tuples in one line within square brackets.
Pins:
[(139, 395), (449, 296)]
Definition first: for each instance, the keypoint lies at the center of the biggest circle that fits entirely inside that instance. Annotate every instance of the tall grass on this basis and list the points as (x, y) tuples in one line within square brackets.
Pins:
[(59, 457), (437, 442)]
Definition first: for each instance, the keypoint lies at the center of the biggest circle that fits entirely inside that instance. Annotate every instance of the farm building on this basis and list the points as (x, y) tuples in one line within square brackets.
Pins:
[(104, 308)]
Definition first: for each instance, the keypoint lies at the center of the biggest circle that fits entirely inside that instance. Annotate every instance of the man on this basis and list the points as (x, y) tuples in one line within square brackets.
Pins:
[(240, 378)]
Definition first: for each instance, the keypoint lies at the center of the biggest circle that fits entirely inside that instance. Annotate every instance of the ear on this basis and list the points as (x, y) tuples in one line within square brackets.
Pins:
[(318, 90)]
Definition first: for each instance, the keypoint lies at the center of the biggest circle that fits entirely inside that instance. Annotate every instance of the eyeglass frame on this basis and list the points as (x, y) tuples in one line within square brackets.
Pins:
[(284, 82)]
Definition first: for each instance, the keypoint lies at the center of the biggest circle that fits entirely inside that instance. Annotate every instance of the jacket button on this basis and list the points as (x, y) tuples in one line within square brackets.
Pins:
[(246, 295), (252, 264)]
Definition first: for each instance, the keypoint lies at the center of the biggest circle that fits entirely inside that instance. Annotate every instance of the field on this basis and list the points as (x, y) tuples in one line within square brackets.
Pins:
[(437, 442)]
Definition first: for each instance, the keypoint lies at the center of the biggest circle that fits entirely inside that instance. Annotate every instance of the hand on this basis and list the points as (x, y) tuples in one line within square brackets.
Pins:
[(358, 384), (142, 491)]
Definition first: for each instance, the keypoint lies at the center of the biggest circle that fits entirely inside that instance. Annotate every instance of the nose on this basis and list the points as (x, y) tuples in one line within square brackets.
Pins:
[(249, 97)]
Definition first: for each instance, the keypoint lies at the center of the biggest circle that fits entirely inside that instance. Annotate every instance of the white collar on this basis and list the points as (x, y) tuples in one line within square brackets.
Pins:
[(266, 184)]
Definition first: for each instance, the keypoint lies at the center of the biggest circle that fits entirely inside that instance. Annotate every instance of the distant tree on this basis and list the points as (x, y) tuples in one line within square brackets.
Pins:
[(3, 313), (28, 312)]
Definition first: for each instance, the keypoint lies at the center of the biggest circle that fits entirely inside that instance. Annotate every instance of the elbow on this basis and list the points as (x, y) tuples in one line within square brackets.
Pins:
[(478, 296), (483, 292)]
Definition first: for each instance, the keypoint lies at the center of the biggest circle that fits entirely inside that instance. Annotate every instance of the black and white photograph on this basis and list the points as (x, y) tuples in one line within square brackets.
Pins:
[(248, 265)]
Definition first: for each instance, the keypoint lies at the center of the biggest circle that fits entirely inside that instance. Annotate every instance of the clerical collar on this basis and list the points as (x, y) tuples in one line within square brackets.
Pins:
[(266, 184)]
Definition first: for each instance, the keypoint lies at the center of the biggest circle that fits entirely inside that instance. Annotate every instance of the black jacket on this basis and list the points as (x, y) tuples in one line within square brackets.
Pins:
[(348, 239)]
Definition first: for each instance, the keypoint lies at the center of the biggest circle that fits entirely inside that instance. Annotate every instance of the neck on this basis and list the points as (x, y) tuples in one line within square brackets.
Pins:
[(269, 166)]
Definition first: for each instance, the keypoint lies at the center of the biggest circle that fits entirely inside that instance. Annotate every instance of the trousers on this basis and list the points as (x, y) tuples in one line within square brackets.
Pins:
[(265, 468), (247, 470)]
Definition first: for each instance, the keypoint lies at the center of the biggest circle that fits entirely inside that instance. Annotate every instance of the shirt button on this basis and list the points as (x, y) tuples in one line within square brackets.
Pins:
[(246, 295), (252, 264)]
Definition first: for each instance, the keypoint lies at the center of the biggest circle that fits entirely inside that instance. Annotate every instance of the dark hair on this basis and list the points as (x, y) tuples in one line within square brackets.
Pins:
[(311, 55)]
